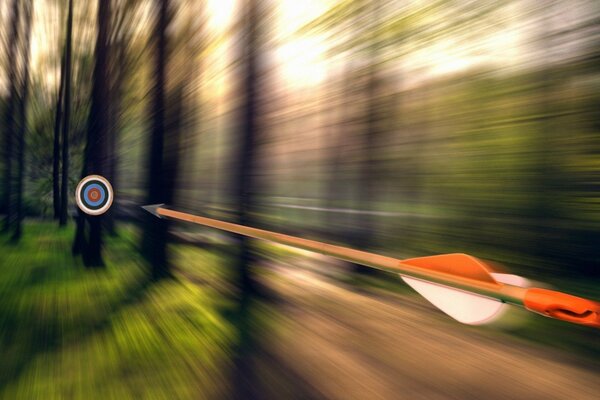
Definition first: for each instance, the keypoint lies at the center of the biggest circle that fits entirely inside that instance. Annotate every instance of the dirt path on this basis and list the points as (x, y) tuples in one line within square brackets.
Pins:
[(339, 344)]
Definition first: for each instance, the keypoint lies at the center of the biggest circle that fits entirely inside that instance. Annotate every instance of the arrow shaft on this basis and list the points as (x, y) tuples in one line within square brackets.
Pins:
[(503, 292), (546, 302)]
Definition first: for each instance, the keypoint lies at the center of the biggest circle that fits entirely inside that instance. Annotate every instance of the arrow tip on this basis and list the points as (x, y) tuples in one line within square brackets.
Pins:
[(153, 209)]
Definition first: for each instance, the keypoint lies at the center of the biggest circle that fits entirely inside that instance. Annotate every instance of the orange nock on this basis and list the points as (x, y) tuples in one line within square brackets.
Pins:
[(563, 306)]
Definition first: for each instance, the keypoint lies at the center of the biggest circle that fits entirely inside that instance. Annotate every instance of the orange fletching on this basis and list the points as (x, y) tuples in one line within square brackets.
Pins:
[(458, 264)]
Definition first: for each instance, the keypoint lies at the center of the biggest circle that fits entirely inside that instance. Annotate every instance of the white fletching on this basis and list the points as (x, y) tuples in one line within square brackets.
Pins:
[(464, 307), (510, 279)]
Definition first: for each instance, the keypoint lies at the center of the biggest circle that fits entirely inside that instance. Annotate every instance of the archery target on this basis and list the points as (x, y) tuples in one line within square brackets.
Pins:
[(94, 195)]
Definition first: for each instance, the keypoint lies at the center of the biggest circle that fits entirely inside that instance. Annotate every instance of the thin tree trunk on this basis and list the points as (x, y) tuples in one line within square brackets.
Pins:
[(9, 128), (547, 176), (364, 229), (367, 179), (244, 187), (56, 149), (244, 183), (115, 107), (155, 231), (337, 155), (23, 124), (98, 131), (79, 241), (64, 192)]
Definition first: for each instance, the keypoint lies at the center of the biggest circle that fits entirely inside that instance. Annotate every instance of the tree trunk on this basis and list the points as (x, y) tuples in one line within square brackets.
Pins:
[(244, 188), (23, 123), (80, 241), (154, 246), (56, 149), (244, 182), (98, 131), (9, 129), (364, 224), (337, 154), (115, 108), (64, 193)]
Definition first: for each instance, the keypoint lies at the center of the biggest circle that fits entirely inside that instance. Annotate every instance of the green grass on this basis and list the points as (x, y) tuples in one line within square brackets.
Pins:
[(69, 332), (72, 332)]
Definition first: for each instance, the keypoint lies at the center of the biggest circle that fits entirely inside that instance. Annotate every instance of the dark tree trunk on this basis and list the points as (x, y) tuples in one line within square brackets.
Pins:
[(64, 192), (245, 174), (23, 123), (364, 224), (118, 73), (9, 129), (363, 235), (154, 246), (244, 187), (367, 180), (98, 131), (80, 241), (546, 185), (338, 140), (56, 149)]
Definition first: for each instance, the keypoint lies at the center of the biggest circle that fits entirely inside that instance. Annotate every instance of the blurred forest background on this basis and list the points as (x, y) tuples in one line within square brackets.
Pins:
[(407, 128)]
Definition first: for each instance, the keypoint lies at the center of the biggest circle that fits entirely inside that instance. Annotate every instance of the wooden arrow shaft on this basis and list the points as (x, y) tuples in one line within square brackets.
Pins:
[(546, 302), (503, 292)]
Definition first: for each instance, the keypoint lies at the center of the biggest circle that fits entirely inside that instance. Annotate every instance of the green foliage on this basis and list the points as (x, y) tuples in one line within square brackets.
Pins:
[(71, 332)]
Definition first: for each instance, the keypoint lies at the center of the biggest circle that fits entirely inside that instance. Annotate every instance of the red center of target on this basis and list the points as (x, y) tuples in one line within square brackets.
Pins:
[(93, 194)]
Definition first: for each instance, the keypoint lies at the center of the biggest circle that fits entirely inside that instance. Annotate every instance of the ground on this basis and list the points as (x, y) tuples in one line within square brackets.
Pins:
[(67, 332)]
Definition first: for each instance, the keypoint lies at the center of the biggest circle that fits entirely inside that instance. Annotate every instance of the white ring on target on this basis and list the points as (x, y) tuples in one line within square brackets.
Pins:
[(109, 195)]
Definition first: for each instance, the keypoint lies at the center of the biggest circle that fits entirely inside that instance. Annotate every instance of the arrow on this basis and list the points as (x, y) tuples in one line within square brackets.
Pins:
[(460, 285)]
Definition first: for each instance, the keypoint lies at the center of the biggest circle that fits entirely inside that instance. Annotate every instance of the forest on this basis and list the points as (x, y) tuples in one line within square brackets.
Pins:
[(405, 128)]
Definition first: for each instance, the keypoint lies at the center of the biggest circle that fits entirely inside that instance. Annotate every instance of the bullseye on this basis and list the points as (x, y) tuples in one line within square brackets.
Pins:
[(94, 195)]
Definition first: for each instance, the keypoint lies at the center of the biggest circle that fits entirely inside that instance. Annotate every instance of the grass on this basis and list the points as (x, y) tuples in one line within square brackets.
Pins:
[(68, 332), (71, 332)]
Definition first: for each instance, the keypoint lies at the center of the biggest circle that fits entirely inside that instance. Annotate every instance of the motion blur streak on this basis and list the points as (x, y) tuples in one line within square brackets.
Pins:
[(406, 128)]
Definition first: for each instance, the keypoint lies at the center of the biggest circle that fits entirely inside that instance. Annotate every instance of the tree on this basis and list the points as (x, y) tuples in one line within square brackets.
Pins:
[(22, 128), (359, 86), (96, 147), (154, 245), (10, 114), (120, 39), (56, 143), (246, 153), (64, 192), (370, 139)]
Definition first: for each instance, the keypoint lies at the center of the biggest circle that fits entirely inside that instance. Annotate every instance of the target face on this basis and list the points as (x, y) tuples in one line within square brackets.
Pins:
[(94, 195)]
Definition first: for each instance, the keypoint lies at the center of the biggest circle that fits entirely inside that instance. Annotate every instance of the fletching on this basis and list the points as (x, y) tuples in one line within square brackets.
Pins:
[(458, 264), (465, 307), (510, 279)]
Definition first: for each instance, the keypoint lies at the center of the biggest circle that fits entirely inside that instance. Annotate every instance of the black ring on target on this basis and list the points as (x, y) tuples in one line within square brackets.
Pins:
[(94, 195)]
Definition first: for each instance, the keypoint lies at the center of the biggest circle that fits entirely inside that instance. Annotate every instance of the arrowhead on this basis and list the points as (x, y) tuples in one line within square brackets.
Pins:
[(153, 209)]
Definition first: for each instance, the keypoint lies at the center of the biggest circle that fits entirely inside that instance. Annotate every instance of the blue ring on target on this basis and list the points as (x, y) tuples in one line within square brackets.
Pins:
[(94, 195), (88, 190)]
